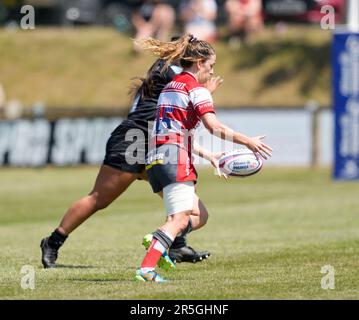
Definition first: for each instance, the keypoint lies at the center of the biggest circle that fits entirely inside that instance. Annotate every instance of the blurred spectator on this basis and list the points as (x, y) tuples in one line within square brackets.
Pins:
[(13, 110), (9, 109), (199, 18), (2, 97), (244, 19), (3, 13), (153, 19)]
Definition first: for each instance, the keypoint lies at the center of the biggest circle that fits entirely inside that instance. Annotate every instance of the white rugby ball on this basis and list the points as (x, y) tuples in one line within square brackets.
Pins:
[(240, 163)]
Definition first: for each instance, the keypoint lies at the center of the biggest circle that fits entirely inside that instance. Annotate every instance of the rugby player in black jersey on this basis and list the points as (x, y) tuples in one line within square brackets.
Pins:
[(118, 172)]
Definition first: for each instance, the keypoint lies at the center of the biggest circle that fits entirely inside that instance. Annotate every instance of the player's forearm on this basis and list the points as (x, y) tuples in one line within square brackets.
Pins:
[(203, 153), (229, 134), (218, 129), (241, 138)]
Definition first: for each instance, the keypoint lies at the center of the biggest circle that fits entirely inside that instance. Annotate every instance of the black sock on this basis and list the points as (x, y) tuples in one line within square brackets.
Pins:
[(180, 240), (57, 239)]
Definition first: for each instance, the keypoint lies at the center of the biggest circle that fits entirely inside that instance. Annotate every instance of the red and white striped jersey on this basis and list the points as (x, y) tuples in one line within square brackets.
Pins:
[(180, 106)]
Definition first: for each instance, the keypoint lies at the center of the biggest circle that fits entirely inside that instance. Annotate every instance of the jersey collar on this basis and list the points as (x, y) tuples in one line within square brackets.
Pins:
[(191, 74)]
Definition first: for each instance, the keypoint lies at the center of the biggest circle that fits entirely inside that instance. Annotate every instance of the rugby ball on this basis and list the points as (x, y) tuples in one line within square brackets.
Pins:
[(240, 163)]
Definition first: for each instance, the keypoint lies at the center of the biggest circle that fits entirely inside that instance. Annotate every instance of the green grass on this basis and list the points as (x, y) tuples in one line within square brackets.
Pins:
[(93, 67), (269, 235)]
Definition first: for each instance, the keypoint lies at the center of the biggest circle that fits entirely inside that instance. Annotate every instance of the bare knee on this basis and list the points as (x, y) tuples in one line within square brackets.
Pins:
[(99, 201), (182, 221)]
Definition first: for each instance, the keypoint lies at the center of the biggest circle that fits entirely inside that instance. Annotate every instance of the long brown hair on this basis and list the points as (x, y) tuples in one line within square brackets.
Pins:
[(146, 83), (187, 49)]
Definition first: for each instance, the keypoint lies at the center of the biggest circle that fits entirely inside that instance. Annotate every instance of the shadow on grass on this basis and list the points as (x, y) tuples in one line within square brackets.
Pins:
[(96, 280), (289, 58), (60, 266)]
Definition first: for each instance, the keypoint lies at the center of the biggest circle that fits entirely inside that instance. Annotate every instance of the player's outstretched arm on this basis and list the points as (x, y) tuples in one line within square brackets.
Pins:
[(217, 128)]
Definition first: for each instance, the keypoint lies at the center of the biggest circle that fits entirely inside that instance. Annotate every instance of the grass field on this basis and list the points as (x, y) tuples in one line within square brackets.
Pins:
[(269, 236), (93, 67)]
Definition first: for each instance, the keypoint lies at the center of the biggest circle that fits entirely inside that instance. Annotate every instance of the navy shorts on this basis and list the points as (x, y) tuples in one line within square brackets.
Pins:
[(169, 164)]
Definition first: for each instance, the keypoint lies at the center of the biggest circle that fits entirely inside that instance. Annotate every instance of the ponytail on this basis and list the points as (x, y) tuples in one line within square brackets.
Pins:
[(187, 49)]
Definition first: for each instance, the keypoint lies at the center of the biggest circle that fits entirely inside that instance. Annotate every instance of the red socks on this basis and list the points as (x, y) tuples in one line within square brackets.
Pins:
[(154, 254)]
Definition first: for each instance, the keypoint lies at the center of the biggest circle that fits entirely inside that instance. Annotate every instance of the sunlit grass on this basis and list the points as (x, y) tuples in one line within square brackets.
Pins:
[(269, 235)]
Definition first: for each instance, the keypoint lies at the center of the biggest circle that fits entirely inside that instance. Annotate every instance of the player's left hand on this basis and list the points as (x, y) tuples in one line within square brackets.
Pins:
[(258, 147), (213, 83), (215, 163)]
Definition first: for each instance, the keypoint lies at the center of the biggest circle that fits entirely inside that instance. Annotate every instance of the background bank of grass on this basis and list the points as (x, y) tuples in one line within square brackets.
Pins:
[(93, 67)]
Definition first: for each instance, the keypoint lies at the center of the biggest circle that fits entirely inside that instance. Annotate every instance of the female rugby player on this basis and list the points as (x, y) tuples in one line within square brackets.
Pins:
[(182, 105)]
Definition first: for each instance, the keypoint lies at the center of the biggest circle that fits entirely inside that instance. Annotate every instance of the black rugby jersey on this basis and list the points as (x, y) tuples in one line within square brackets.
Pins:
[(143, 108)]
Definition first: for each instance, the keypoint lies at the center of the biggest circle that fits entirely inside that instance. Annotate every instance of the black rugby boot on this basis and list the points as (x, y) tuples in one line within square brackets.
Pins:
[(49, 254), (50, 247), (187, 254)]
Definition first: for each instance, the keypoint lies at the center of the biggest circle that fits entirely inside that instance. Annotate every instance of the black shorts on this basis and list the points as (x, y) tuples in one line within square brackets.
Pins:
[(126, 149)]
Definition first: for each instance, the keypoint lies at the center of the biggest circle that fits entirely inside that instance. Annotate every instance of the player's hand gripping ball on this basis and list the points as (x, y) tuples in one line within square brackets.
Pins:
[(240, 163)]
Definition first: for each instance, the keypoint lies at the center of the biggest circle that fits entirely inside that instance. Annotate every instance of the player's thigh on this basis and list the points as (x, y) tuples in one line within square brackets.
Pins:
[(111, 183), (143, 176)]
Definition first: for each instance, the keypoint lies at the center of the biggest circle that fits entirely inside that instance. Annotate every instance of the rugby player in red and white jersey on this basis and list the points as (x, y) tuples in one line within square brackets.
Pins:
[(182, 105), (117, 174)]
